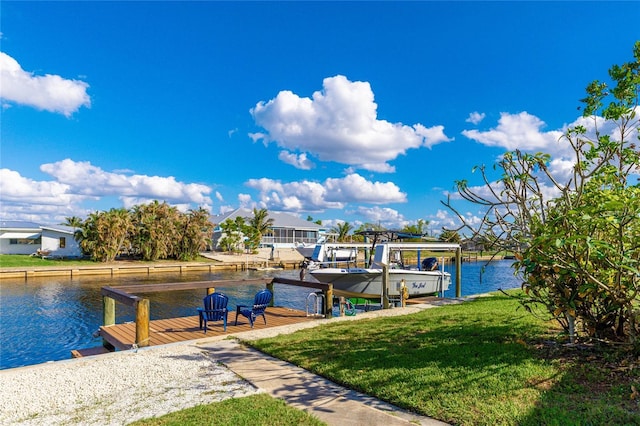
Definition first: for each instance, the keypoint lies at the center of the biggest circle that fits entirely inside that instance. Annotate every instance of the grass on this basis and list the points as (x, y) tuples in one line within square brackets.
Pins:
[(255, 410), (477, 363), (25, 261)]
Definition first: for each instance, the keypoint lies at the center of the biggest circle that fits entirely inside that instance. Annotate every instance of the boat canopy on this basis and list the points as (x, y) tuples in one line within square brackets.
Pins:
[(383, 251)]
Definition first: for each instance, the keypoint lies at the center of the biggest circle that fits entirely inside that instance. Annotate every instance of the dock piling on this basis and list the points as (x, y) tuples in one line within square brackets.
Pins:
[(142, 322)]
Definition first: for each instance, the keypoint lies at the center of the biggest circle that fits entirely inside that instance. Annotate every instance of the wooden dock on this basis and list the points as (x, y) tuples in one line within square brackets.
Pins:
[(173, 330), (147, 332)]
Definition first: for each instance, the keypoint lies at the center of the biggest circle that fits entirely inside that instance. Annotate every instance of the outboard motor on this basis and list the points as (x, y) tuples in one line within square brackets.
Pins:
[(430, 264)]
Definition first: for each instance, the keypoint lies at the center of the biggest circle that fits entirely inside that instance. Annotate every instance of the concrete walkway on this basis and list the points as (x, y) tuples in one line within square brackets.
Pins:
[(331, 403)]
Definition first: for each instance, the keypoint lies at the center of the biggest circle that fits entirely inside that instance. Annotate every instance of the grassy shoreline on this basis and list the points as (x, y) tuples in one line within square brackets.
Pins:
[(484, 362), (24, 261)]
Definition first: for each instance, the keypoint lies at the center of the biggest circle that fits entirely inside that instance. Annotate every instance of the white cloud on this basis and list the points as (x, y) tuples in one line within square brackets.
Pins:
[(225, 209), (40, 201), (18, 189), (355, 188), (387, 217), (446, 219), (86, 179), (246, 201), (77, 182), (432, 135), (518, 131), (331, 194), (49, 92), (340, 124), (299, 161), (562, 169), (475, 117)]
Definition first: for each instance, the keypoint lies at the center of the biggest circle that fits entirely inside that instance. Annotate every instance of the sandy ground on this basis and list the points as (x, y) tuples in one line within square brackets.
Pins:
[(116, 389)]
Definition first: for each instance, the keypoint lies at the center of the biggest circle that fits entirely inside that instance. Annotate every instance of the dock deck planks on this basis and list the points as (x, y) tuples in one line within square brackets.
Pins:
[(172, 330)]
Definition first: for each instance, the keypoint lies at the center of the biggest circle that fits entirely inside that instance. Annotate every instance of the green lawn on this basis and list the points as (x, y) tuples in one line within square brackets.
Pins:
[(24, 261), (478, 363), (256, 410)]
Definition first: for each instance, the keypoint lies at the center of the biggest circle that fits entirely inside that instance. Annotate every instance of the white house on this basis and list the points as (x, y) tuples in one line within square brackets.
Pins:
[(17, 237), (287, 230)]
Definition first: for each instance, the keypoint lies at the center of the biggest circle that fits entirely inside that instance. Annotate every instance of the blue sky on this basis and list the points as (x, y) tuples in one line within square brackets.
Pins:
[(358, 112)]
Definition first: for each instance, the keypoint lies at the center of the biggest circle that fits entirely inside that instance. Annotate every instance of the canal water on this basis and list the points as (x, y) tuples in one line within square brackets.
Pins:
[(44, 319)]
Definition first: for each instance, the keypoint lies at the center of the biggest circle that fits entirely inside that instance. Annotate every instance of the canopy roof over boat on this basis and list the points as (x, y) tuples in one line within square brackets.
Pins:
[(394, 239), (389, 235), (423, 246)]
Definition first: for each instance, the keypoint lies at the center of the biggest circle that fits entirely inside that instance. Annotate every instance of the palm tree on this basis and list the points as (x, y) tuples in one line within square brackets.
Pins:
[(420, 227), (73, 221), (317, 222), (261, 224), (155, 234), (105, 234), (196, 232), (342, 229)]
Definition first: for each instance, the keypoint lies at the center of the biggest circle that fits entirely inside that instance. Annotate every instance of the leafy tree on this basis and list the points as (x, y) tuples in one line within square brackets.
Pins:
[(342, 230), (195, 230), (317, 222), (105, 234), (420, 227), (260, 224), (579, 249), (73, 221), (449, 236), (155, 231), (232, 231)]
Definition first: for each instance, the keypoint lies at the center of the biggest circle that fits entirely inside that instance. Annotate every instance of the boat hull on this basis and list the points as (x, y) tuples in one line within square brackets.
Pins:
[(367, 283)]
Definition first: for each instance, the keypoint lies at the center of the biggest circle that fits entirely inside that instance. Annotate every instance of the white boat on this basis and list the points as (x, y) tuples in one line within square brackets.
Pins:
[(420, 280), (324, 253), (307, 249), (328, 253)]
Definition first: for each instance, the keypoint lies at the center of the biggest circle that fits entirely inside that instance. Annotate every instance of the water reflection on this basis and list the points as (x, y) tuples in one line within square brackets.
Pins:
[(43, 319)]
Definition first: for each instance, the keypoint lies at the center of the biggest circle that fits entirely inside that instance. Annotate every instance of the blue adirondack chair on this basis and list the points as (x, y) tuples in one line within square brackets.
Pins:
[(260, 304), (215, 309)]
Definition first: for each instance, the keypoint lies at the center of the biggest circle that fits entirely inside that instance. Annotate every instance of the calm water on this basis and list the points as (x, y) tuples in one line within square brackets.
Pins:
[(43, 320)]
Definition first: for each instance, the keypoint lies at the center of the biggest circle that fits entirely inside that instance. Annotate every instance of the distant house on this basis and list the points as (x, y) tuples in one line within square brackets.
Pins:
[(470, 244), (17, 237), (287, 230)]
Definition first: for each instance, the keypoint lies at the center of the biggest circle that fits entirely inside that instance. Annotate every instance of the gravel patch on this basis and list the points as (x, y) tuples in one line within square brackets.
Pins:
[(116, 389)]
